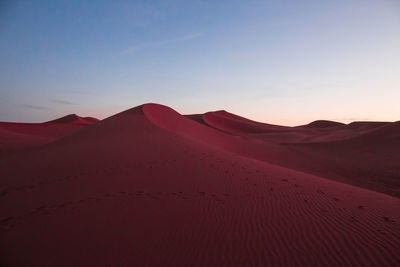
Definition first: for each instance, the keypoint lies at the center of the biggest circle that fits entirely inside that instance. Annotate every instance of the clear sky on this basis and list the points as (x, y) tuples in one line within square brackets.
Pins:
[(282, 62)]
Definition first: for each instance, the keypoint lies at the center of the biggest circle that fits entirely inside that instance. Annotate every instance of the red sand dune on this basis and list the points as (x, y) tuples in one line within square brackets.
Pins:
[(366, 154), (75, 119), (323, 124), (18, 136), (150, 187)]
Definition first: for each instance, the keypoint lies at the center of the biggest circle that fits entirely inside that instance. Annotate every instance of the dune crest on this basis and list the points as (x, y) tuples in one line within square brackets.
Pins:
[(74, 119), (323, 124)]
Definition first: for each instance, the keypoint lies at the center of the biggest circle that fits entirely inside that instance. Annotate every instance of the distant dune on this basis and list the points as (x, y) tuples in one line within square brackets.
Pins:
[(75, 119), (151, 187), (18, 136), (323, 124)]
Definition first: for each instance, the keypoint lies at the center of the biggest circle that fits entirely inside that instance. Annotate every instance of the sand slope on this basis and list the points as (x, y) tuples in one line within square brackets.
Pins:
[(75, 119), (150, 187), (19, 136), (365, 154)]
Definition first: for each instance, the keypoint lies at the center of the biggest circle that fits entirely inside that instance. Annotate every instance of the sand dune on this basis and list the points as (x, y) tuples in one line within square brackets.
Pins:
[(365, 154), (151, 187), (235, 124), (75, 119), (323, 124), (19, 136)]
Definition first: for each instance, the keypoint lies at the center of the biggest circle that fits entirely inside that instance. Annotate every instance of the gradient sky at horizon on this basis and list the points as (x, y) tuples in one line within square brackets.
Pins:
[(281, 62)]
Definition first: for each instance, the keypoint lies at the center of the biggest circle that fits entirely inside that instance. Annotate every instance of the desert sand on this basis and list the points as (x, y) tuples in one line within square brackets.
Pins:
[(152, 187)]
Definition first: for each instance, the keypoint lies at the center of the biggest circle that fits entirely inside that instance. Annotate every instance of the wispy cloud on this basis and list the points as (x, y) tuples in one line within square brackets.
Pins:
[(35, 107), (64, 102), (134, 48)]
